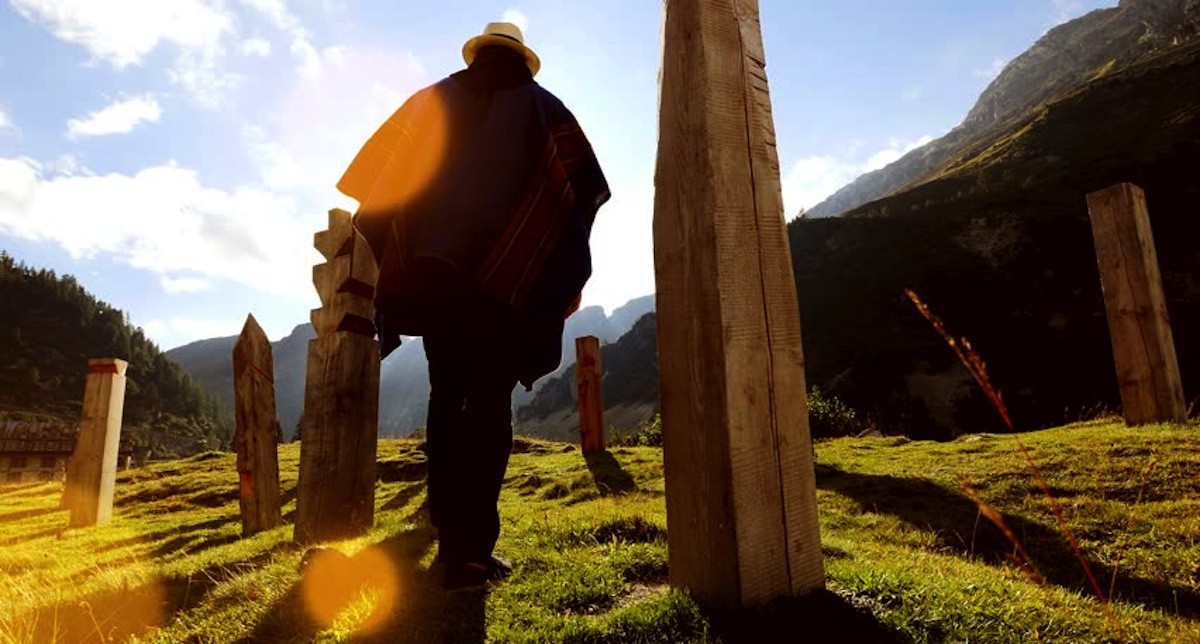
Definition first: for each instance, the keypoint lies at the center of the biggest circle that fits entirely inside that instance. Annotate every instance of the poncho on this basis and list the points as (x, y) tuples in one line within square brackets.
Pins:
[(478, 207)]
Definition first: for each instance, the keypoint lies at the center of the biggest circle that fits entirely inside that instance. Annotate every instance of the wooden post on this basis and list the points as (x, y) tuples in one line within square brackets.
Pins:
[(336, 495), (741, 493), (1143, 347), (257, 430), (92, 468), (591, 394)]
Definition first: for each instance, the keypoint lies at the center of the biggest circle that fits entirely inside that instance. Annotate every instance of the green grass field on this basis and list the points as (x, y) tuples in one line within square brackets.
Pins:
[(909, 556)]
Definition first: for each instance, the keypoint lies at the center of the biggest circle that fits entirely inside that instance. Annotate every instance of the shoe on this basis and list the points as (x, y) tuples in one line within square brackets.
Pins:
[(469, 574)]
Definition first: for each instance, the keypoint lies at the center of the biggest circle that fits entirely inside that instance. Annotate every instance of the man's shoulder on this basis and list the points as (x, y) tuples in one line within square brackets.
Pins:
[(551, 104)]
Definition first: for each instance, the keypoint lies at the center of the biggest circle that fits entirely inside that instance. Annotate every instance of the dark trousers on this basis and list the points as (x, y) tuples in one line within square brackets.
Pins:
[(468, 439)]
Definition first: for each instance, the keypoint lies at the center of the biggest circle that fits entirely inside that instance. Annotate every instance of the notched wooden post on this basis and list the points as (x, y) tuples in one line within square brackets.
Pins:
[(588, 377), (741, 493), (336, 490), (92, 469), (257, 430), (1143, 347)]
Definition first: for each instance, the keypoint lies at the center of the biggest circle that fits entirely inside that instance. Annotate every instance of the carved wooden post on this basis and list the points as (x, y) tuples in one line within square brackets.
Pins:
[(92, 469), (741, 494), (591, 397), (1143, 347), (336, 490), (257, 430)]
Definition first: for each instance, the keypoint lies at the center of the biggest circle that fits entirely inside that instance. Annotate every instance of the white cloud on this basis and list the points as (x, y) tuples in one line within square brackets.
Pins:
[(276, 165), (174, 332), (319, 123), (163, 220), (203, 75), (893, 152), (810, 180), (1065, 10), (622, 245), (992, 71), (123, 32), (68, 165), (174, 285), (912, 94), (6, 122), (518, 18), (119, 117), (259, 47), (312, 61)]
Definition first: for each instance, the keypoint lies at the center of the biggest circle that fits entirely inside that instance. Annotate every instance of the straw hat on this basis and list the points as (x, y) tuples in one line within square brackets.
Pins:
[(504, 34)]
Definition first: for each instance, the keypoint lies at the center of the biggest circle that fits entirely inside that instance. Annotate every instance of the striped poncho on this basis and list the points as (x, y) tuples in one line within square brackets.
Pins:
[(478, 203)]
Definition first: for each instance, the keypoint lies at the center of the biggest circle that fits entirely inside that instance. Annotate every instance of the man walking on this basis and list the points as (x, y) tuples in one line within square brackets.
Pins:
[(477, 199)]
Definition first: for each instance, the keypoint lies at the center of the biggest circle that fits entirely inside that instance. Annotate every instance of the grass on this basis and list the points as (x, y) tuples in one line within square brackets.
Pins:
[(908, 556)]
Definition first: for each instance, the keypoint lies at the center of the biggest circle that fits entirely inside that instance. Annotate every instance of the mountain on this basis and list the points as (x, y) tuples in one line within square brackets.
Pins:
[(1068, 56), (629, 387), (997, 241), (404, 377), (50, 329)]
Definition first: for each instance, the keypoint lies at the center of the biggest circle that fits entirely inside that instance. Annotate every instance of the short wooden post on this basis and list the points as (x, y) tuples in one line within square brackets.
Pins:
[(336, 495), (591, 394), (741, 493), (1143, 347), (92, 468), (257, 431)]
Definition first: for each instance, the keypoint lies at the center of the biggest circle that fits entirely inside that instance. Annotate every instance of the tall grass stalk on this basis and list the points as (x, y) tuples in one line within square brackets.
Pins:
[(974, 363)]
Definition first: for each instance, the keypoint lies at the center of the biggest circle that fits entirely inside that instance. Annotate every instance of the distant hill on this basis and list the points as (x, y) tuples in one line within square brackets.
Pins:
[(999, 244), (404, 375), (52, 326), (629, 387), (1067, 57)]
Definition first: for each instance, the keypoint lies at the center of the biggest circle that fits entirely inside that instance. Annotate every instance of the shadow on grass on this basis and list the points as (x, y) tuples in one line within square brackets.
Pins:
[(422, 612), (611, 478), (402, 497), (822, 616), (122, 613), (956, 521), (29, 514)]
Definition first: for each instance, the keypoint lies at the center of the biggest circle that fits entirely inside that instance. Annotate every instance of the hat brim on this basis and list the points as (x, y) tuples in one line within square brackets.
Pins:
[(472, 47)]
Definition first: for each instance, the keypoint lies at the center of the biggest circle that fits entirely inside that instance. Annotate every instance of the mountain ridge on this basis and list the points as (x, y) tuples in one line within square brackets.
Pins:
[(1091, 45)]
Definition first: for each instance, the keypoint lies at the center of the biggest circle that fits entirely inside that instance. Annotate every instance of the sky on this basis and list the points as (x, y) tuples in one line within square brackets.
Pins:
[(177, 156)]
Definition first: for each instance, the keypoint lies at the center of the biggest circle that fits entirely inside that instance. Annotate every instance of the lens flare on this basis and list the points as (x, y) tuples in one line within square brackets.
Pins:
[(332, 583), (401, 158)]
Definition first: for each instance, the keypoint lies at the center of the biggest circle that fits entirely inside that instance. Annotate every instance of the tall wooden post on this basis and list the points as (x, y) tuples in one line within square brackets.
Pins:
[(1143, 347), (336, 495), (588, 377), (741, 494), (92, 469), (257, 433)]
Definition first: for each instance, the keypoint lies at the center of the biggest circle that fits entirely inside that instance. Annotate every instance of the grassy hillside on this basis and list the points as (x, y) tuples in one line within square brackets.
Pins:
[(999, 244), (52, 326), (908, 556)]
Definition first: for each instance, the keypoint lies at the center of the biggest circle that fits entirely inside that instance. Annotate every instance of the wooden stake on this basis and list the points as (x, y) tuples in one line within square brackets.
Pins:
[(257, 430), (92, 469), (591, 396), (336, 490), (1143, 347), (741, 493)]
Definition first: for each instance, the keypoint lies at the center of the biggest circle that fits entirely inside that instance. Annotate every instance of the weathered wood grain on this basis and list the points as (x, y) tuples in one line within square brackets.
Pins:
[(1142, 343), (92, 468), (589, 381), (741, 500), (257, 430), (340, 421)]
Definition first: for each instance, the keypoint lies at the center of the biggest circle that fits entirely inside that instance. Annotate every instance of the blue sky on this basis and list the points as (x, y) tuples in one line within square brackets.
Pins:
[(176, 156)]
